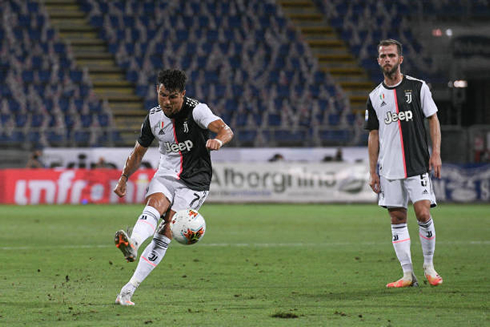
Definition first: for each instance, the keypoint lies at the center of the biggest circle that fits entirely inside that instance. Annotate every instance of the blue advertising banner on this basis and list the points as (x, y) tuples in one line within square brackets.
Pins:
[(462, 184)]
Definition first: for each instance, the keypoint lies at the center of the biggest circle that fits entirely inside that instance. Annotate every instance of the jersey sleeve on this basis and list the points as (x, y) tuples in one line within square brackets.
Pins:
[(146, 136), (203, 116), (428, 105), (371, 121)]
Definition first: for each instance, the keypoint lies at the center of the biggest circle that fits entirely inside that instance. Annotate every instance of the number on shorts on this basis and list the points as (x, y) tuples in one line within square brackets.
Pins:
[(197, 197)]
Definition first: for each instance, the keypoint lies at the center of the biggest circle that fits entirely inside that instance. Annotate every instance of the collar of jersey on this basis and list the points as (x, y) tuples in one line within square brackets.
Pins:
[(394, 86)]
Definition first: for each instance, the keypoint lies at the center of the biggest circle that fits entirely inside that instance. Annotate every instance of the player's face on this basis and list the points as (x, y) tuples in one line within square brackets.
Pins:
[(170, 100), (388, 59)]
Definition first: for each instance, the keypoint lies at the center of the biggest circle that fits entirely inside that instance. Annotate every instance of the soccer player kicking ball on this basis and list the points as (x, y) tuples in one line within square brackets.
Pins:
[(181, 125), (396, 110)]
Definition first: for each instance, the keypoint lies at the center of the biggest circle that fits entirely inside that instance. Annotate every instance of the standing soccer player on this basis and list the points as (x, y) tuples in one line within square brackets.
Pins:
[(181, 125), (395, 115)]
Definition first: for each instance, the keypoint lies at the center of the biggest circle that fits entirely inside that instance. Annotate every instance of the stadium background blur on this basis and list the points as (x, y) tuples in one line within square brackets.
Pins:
[(287, 73)]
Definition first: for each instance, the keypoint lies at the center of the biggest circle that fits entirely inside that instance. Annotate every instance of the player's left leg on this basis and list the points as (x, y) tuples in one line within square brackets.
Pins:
[(423, 198), (427, 235), (149, 259)]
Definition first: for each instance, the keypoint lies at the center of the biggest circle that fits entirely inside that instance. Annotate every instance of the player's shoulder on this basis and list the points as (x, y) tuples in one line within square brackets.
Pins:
[(190, 102), (414, 81), (154, 110), (376, 90)]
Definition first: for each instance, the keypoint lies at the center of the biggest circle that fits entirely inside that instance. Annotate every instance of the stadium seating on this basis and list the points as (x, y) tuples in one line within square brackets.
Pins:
[(362, 24), (229, 58), (39, 79), (244, 58)]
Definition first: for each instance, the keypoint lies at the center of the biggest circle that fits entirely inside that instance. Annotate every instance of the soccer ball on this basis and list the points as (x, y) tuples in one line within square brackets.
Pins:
[(187, 226)]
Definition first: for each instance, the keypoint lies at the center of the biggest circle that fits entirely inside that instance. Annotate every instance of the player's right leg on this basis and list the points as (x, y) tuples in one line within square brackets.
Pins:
[(157, 202), (401, 244), (394, 197)]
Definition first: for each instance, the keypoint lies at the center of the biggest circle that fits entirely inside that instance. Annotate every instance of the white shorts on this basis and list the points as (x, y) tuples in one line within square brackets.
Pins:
[(180, 196), (395, 193)]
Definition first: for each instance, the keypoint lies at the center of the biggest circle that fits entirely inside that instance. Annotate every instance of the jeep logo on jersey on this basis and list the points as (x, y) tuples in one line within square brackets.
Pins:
[(408, 95), (178, 147), (392, 117)]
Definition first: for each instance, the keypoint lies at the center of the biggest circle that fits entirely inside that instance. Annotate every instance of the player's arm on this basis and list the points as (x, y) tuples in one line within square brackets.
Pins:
[(371, 124), (224, 134), (132, 164), (134, 159), (373, 151), (435, 161)]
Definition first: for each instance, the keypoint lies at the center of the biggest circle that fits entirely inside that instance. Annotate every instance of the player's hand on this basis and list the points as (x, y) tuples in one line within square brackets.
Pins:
[(374, 183), (435, 164), (120, 188), (214, 144)]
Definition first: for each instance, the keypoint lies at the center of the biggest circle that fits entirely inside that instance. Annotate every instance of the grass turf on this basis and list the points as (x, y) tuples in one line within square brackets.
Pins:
[(257, 265)]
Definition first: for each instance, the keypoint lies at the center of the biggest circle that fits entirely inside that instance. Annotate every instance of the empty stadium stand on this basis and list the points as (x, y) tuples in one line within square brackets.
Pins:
[(281, 73)]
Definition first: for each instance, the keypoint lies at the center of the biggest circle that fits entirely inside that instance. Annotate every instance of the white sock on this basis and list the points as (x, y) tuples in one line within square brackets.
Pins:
[(145, 225), (401, 244), (427, 234), (151, 257)]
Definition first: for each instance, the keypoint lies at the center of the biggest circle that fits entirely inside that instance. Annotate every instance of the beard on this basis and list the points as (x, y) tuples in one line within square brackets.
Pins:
[(390, 71)]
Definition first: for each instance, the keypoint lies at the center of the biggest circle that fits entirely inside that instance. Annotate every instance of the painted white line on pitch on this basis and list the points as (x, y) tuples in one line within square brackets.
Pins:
[(264, 245)]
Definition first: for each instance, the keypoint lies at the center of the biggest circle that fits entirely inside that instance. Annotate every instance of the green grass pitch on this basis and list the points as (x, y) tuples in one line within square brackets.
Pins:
[(257, 265)]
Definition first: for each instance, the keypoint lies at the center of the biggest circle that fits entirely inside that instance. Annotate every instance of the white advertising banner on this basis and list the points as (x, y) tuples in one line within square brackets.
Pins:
[(291, 183), (116, 157)]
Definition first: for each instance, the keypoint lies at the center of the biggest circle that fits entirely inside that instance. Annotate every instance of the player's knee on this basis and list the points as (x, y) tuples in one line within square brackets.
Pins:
[(398, 220), (423, 216), (398, 216), (158, 202)]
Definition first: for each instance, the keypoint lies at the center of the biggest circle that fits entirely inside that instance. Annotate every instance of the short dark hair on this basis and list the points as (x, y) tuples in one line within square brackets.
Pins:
[(388, 42), (172, 79)]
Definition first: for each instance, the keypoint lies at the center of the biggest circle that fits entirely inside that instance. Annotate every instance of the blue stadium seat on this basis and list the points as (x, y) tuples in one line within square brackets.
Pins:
[(37, 120), (44, 76), (247, 136), (241, 119), (76, 76), (86, 120), (17, 136), (103, 120), (81, 137), (333, 119), (274, 119), (335, 136), (20, 120), (28, 76), (33, 136)]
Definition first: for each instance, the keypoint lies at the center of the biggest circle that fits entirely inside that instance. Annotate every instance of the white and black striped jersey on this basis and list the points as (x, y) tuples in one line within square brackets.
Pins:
[(398, 113), (182, 142)]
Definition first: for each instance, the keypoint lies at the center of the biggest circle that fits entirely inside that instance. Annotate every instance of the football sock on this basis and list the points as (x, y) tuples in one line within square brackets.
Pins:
[(150, 258), (427, 234), (145, 225), (401, 244)]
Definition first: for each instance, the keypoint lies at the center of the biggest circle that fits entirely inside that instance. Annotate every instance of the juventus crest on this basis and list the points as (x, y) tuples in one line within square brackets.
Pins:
[(408, 96)]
